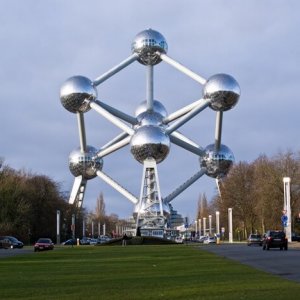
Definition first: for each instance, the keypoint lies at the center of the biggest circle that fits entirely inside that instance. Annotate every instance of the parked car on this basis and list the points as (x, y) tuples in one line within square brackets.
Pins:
[(14, 242), (295, 237), (254, 239), (275, 239), (70, 242), (4, 243), (210, 240), (43, 244)]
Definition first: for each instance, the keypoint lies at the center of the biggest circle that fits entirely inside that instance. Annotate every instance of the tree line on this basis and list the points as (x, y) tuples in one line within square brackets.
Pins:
[(29, 205), (255, 192)]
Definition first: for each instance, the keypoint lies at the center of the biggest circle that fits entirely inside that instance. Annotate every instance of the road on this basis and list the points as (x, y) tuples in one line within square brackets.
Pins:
[(12, 252), (282, 263)]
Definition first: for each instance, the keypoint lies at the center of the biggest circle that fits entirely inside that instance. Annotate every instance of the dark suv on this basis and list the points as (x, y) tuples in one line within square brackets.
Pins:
[(275, 239)]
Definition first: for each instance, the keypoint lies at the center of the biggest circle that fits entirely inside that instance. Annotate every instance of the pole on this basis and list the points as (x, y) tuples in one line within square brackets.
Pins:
[(58, 227), (230, 225), (209, 224), (217, 222), (73, 226), (83, 228), (204, 226), (287, 208), (199, 225)]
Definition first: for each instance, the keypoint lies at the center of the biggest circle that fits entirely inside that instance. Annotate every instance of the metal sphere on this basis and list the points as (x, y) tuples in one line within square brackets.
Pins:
[(75, 91), (146, 44), (149, 118), (158, 107), (150, 142), (223, 91), (217, 164), (82, 163)]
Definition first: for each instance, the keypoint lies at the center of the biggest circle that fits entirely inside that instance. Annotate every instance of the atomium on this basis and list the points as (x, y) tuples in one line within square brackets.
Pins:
[(149, 132)]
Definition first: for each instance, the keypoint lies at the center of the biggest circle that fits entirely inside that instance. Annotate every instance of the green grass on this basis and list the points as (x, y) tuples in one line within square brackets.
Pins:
[(136, 272)]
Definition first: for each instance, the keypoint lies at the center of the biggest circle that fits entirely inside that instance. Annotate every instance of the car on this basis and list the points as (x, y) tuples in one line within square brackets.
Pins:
[(295, 237), (43, 244), (210, 240), (274, 239), (254, 239), (178, 240), (4, 243), (70, 242), (14, 242)]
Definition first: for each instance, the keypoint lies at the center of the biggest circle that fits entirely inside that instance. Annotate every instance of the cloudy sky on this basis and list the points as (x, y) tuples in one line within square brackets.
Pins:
[(45, 42)]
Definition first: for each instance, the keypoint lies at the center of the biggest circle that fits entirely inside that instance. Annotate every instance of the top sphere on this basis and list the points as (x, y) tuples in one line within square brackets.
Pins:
[(146, 44), (223, 91), (75, 91)]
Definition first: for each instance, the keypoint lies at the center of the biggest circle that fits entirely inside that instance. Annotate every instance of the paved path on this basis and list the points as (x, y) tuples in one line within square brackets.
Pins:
[(282, 263)]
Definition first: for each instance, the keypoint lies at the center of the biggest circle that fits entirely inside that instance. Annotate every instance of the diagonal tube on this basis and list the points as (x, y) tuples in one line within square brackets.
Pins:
[(180, 112), (184, 186), (117, 187), (114, 147), (176, 139), (117, 113), (182, 68), (201, 106), (110, 117), (126, 62)]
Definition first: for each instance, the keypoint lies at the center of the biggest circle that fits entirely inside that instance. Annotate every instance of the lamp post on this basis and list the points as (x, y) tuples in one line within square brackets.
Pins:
[(230, 225), (286, 218), (199, 221), (217, 222), (58, 227), (210, 224)]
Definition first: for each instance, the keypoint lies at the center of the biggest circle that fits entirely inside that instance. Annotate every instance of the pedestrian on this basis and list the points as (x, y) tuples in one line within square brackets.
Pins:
[(124, 239)]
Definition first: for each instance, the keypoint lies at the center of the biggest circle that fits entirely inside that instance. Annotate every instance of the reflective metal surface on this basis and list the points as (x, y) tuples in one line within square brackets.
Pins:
[(146, 44), (158, 107), (217, 164), (74, 91), (149, 118), (150, 142), (154, 208), (223, 90), (83, 163)]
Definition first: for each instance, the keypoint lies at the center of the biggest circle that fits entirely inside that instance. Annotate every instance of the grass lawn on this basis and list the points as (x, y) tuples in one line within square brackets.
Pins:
[(136, 272)]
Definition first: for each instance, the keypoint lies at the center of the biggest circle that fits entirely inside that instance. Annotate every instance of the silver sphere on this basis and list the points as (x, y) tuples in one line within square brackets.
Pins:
[(150, 142), (75, 91), (146, 44), (217, 164), (223, 91), (157, 107), (83, 163), (149, 118)]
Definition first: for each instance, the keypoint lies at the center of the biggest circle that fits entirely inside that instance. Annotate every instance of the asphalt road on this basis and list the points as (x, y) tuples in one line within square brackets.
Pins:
[(12, 252), (285, 264)]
